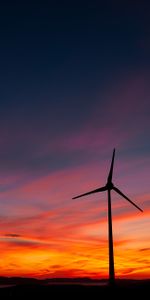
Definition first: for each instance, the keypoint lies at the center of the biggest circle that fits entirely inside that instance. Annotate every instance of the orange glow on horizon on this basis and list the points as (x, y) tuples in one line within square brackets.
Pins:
[(53, 236), (82, 254)]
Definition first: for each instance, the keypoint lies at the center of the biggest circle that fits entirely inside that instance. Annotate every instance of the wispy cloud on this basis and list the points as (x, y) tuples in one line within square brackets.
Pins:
[(12, 235), (144, 249)]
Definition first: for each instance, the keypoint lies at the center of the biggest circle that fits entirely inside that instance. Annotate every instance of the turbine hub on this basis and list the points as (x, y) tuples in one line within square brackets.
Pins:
[(109, 185)]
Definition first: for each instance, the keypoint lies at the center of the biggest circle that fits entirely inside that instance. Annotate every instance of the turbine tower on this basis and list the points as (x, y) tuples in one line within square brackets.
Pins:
[(108, 187)]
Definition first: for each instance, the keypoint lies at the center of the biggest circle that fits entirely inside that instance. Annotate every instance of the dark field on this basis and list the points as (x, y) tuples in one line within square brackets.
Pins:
[(122, 290)]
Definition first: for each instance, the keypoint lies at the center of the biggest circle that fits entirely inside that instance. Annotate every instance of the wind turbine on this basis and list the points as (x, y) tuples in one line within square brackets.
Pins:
[(108, 187)]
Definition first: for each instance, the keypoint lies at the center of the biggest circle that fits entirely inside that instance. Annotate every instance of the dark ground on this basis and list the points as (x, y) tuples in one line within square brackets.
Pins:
[(122, 290)]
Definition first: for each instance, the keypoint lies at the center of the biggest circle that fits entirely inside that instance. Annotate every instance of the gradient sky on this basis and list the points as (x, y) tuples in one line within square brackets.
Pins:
[(74, 84)]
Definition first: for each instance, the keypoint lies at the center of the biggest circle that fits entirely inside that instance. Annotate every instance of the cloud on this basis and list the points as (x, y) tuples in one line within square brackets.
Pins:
[(12, 235), (23, 243), (18, 241), (144, 249)]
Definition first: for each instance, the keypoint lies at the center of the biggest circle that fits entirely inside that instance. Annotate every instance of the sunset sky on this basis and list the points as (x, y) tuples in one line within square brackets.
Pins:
[(74, 84)]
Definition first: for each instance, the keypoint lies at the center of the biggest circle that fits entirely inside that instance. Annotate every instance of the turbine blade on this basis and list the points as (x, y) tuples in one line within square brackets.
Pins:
[(120, 193), (101, 189), (109, 179)]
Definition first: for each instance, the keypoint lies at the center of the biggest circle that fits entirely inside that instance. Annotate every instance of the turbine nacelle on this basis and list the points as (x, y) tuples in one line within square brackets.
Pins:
[(109, 185)]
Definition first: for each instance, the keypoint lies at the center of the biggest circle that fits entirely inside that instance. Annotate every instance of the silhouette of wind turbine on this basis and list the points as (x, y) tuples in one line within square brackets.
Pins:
[(108, 187)]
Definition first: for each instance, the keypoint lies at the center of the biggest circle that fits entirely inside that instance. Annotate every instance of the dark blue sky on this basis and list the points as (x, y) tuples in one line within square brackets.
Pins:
[(60, 63), (61, 48)]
